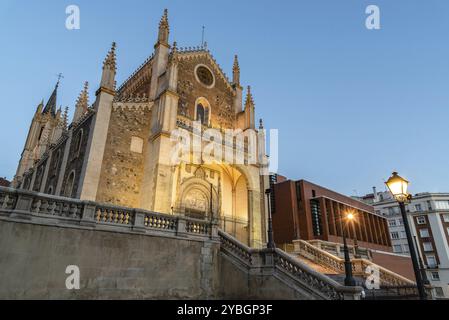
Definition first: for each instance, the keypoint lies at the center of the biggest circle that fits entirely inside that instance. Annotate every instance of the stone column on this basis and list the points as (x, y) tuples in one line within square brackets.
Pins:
[(96, 144)]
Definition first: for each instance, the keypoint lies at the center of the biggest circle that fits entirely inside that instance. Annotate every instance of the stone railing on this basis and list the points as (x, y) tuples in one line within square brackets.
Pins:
[(48, 209), (337, 248), (359, 266), (297, 273)]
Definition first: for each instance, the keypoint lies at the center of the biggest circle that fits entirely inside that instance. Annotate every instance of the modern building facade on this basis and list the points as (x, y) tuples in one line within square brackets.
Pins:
[(119, 149), (308, 211), (428, 215)]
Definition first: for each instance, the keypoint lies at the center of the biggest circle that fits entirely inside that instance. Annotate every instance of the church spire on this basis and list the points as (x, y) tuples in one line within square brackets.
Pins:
[(109, 70), (82, 103), (164, 29), (249, 98), (50, 107), (236, 71), (249, 110)]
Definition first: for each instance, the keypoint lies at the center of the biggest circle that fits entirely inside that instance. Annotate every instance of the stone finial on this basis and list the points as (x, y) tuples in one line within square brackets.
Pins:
[(249, 98), (236, 71), (110, 60), (109, 70), (174, 54), (164, 28), (82, 103)]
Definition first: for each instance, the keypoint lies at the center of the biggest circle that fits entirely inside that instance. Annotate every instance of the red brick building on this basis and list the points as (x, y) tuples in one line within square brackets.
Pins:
[(307, 211)]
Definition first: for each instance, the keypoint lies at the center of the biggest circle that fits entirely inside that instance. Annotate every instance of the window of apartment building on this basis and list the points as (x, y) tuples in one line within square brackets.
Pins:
[(427, 246), (429, 205), (431, 261), (424, 233), (435, 275), (403, 235), (395, 235), (397, 248), (442, 205), (418, 207), (446, 218), (439, 292), (421, 220), (392, 223), (393, 210), (377, 212), (406, 248), (400, 222)]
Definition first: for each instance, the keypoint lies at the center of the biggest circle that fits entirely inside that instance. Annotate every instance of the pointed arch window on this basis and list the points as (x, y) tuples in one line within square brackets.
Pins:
[(202, 111), (68, 190)]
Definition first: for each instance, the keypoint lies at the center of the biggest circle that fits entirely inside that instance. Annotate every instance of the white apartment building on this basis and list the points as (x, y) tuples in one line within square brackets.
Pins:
[(428, 215)]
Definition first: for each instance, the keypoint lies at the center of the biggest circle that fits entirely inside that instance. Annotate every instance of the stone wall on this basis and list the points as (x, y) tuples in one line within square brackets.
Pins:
[(77, 152), (237, 283), (126, 253), (220, 96), (122, 169), (34, 258)]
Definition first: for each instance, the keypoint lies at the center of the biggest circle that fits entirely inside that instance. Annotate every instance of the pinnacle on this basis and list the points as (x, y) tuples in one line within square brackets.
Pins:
[(110, 58), (249, 97), (83, 99), (236, 66), (164, 19)]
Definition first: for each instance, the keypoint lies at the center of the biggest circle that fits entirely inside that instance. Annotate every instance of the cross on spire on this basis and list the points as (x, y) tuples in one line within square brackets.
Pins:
[(60, 76)]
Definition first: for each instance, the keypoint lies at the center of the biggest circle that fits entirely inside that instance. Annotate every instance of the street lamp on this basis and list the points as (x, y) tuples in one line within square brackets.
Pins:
[(352, 219), (398, 188), (270, 244), (349, 279)]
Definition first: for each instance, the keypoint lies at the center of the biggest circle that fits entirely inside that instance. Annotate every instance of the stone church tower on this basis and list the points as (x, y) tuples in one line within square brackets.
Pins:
[(119, 149)]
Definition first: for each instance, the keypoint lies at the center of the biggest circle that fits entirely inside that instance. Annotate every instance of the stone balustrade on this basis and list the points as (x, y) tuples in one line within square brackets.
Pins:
[(337, 248), (48, 210), (259, 260), (43, 208), (359, 266)]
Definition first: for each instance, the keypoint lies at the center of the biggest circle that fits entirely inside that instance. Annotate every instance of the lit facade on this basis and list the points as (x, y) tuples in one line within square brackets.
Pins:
[(119, 149)]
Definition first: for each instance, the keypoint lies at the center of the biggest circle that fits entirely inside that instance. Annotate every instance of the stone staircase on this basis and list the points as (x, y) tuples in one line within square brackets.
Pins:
[(317, 267), (360, 266), (293, 273), (392, 285)]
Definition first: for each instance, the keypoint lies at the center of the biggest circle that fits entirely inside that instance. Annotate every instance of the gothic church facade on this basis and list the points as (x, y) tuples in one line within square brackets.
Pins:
[(117, 150)]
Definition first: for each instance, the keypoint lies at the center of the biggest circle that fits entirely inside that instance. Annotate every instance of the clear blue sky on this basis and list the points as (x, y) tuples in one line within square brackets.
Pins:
[(351, 104)]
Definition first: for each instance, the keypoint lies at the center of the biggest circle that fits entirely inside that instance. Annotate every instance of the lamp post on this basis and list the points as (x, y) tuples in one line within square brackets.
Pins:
[(421, 265), (351, 218), (398, 188), (349, 279), (270, 244)]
